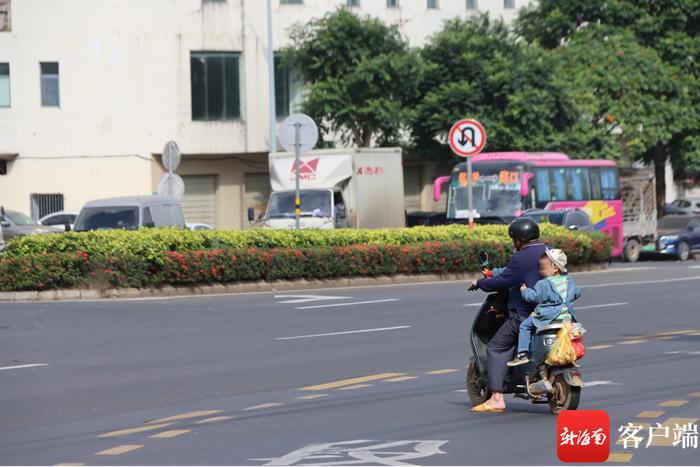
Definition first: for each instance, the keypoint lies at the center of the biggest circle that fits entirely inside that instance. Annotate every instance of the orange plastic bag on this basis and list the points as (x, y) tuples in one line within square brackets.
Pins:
[(563, 352)]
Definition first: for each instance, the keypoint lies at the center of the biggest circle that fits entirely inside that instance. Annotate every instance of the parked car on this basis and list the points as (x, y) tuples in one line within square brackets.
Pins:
[(60, 219), (15, 224), (130, 213), (679, 235), (573, 219), (684, 206), (198, 226)]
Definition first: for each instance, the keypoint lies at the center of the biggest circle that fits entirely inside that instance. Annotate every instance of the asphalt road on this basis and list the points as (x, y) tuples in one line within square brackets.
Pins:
[(287, 378)]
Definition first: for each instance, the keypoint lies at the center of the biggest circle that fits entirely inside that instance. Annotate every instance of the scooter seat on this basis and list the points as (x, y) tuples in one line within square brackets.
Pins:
[(551, 328)]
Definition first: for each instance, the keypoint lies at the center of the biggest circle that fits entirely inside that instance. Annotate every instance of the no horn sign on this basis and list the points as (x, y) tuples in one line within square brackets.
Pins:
[(467, 138)]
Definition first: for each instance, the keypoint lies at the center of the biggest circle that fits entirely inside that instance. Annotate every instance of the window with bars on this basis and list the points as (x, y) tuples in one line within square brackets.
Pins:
[(50, 94), (215, 86), (43, 204)]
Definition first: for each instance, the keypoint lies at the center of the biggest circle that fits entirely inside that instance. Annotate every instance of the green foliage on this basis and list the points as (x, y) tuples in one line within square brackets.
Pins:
[(476, 68), (130, 269), (358, 72)]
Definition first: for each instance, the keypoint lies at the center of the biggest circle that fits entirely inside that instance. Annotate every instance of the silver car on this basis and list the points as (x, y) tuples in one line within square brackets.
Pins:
[(15, 224)]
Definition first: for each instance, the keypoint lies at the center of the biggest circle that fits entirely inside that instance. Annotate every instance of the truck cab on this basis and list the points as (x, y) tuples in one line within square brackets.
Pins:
[(322, 208)]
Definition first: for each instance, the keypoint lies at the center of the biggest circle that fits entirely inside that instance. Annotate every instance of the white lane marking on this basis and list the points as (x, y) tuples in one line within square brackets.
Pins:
[(367, 302), (658, 281), (683, 352), (341, 333), (588, 384), (693, 267), (308, 298), (472, 304), (604, 305), (17, 367)]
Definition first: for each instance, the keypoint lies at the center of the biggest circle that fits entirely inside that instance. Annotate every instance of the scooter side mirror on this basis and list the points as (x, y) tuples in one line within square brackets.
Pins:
[(483, 259)]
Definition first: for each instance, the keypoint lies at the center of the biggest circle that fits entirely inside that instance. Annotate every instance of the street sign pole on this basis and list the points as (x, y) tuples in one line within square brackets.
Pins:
[(297, 151), (470, 183)]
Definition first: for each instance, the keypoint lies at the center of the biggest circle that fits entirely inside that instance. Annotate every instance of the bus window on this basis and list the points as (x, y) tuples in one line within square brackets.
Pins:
[(594, 178), (542, 185), (577, 184), (558, 185), (609, 184)]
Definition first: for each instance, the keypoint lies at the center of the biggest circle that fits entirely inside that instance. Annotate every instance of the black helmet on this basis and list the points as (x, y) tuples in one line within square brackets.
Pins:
[(524, 229)]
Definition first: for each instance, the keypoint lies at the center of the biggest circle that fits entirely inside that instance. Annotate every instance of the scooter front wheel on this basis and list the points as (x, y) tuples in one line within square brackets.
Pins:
[(477, 389), (564, 397)]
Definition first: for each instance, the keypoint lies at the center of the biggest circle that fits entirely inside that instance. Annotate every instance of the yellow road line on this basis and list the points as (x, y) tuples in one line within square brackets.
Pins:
[(619, 457), (596, 347), (131, 431), (650, 414), (121, 449), (309, 397), (634, 341), (659, 441), (682, 331), (269, 405), (442, 372), (666, 338), (186, 415), (674, 403), (694, 334), (350, 382), (214, 420), (169, 434), (695, 394), (400, 378), (357, 386)]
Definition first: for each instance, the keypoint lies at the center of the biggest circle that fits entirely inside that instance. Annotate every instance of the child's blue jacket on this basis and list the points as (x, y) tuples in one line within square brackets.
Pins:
[(549, 302)]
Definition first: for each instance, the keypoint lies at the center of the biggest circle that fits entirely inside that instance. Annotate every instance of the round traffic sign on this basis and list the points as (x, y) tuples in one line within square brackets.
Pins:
[(467, 137), (171, 156), (171, 185), (308, 133)]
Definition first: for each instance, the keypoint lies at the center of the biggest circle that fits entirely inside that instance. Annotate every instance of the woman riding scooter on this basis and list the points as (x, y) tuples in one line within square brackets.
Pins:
[(522, 269)]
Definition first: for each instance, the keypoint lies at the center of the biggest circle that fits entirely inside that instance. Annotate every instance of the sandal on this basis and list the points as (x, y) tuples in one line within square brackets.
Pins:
[(486, 408)]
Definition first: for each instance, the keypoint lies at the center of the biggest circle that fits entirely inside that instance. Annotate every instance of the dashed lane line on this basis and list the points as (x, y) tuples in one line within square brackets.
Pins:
[(357, 386), (650, 414), (597, 347), (400, 379), (187, 415), (442, 372), (118, 450), (351, 382), (633, 341), (169, 434), (214, 420), (673, 403), (619, 457), (332, 305), (309, 397), (69, 464), (358, 331), (694, 394), (268, 405), (656, 281), (19, 367), (602, 305), (131, 431)]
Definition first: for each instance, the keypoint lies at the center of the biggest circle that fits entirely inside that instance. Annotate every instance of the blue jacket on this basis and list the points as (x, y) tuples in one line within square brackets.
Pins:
[(523, 268), (549, 301)]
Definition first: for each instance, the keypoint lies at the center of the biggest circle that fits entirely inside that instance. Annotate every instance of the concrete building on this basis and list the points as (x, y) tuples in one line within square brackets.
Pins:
[(90, 91)]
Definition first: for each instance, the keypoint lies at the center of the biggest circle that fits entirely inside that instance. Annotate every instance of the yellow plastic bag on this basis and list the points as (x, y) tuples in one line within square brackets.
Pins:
[(563, 352)]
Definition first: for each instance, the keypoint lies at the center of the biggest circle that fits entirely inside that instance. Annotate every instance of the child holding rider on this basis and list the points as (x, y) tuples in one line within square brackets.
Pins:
[(554, 296)]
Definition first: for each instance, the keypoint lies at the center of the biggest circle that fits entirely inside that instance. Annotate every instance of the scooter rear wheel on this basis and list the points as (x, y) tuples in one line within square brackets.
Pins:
[(477, 389), (564, 397)]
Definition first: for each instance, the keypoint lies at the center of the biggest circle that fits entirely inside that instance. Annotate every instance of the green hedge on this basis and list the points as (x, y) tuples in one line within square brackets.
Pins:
[(128, 269), (151, 243)]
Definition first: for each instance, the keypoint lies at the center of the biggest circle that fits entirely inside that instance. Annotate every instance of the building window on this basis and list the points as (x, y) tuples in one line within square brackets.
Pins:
[(5, 25), (45, 204), (352, 3), (291, 2), (4, 84), (392, 3), (433, 4), (282, 89), (49, 84), (215, 86), (472, 5), (509, 4)]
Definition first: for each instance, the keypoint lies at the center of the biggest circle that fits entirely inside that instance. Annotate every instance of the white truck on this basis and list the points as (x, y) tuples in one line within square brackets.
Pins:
[(359, 188), (639, 217)]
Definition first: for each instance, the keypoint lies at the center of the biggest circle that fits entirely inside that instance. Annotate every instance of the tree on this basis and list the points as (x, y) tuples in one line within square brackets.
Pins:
[(476, 68), (357, 73), (670, 27)]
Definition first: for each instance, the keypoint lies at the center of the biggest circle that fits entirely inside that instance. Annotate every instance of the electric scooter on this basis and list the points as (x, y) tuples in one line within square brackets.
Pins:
[(558, 386)]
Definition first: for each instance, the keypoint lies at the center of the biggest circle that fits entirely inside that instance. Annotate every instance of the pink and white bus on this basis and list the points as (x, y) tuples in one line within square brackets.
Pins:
[(508, 183)]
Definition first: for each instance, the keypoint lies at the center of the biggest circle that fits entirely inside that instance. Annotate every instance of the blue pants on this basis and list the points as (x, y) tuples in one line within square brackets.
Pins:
[(524, 335)]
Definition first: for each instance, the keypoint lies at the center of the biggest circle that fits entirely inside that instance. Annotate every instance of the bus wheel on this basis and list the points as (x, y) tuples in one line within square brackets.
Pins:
[(632, 250)]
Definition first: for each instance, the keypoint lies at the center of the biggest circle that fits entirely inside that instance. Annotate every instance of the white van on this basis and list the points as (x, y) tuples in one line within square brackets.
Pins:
[(130, 213)]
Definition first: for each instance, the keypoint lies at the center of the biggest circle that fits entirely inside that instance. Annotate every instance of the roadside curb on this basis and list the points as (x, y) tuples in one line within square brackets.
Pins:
[(246, 287)]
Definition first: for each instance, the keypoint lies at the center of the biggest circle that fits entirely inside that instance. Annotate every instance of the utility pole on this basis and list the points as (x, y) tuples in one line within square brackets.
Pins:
[(271, 80)]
